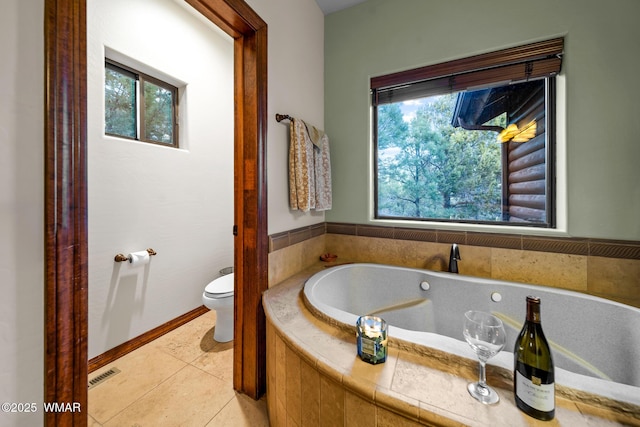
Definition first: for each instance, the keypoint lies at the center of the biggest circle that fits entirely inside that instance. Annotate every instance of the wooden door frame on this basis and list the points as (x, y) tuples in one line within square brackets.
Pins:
[(66, 253)]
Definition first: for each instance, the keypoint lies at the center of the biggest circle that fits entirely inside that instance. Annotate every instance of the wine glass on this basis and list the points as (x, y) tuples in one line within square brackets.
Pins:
[(485, 334)]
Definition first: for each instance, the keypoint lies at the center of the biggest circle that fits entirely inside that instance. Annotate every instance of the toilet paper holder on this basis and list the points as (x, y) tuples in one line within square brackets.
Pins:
[(123, 257)]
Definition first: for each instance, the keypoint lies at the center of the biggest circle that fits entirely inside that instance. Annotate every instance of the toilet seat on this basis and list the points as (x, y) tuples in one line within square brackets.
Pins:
[(221, 287)]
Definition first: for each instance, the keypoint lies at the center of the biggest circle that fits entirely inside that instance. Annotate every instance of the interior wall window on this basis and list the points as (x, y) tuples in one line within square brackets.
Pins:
[(140, 107), (470, 140)]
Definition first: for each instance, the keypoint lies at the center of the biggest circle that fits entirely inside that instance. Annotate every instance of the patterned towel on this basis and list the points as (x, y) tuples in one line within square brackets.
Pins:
[(309, 168)]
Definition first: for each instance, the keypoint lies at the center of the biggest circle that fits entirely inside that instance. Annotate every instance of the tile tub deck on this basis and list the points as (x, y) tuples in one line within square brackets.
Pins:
[(314, 377)]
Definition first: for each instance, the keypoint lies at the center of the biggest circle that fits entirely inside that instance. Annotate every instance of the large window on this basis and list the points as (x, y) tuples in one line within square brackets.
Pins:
[(470, 140), (138, 106)]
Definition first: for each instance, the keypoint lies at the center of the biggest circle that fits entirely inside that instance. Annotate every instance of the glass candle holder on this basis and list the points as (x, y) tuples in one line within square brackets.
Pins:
[(372, 339)]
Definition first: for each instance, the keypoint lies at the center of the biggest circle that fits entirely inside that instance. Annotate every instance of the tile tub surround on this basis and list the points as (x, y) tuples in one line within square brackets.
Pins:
[(608, 269), (314, 377)]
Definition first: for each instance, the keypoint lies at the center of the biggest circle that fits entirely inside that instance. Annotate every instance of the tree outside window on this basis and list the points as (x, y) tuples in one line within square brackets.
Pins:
[(429, 169), (140, 107)]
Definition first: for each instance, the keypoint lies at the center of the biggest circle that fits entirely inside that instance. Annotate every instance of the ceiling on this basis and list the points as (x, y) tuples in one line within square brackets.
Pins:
[(330, 6)]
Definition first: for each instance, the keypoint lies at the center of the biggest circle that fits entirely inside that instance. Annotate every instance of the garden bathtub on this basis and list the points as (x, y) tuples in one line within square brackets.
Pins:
[(595, 342)]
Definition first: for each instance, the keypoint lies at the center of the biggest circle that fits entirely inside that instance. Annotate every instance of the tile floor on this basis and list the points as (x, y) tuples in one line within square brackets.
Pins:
[(183, 378)]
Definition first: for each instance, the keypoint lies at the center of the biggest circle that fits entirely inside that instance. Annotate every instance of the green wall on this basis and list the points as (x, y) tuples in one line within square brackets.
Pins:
[(599, 117)]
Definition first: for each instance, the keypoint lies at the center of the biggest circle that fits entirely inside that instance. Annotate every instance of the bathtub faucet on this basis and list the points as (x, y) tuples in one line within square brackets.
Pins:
[(454, 257)]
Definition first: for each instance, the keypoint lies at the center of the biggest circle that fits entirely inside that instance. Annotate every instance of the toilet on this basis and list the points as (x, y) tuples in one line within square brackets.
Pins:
[(218, 296)]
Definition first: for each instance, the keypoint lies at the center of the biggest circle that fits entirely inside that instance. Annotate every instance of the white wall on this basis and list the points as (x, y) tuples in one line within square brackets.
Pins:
[(295, 87), (177, 201), (21, 206)]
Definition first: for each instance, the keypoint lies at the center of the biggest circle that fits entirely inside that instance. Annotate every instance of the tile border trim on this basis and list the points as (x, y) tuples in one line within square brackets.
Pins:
[(288, 238), (622, 249)]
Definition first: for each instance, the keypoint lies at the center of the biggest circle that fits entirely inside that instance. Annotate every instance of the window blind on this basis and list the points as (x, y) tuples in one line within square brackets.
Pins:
[(528, 62)]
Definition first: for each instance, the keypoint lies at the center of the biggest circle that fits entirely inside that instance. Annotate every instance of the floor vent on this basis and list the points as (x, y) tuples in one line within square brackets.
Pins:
[(103, 377)]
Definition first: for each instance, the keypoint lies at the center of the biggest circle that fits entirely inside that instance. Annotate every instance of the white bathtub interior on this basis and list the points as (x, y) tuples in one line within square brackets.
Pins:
[(595, 342)]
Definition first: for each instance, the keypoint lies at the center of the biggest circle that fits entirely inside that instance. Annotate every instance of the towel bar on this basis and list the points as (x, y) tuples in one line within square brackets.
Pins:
[(281, 117)]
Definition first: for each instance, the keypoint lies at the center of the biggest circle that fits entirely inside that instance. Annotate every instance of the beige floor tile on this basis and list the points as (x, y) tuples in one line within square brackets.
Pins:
[(141, 371), (184, 378), (242, 411), (189, 398), (191, 340), (91, 422), (218, 361)]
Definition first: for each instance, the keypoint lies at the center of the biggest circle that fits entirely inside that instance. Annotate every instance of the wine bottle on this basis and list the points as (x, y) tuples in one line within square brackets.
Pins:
[(533, 377)]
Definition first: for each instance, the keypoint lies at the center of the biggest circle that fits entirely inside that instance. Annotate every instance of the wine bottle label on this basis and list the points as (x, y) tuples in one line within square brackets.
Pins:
[(535, 394)]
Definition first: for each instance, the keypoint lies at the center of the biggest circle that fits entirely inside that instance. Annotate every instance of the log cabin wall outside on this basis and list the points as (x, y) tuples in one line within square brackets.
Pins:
[(528, 190)]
